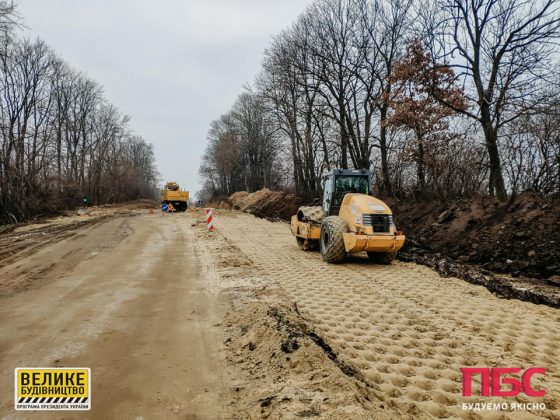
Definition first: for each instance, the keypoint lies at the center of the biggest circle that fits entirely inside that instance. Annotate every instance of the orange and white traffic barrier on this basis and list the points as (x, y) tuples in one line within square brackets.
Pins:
[(209, 221)]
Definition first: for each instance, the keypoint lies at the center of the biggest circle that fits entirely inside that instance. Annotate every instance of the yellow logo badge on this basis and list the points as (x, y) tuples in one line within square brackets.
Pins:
[(52, 388)]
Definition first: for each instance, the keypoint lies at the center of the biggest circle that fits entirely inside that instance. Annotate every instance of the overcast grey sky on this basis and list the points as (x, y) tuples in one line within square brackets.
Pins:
[(171, 65)]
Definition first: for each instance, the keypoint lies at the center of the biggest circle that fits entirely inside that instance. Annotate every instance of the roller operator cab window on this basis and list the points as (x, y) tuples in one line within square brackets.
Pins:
[(350, 184)]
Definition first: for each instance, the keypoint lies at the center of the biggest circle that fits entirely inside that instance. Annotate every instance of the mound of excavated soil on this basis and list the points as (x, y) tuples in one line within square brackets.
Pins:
[(142, 203), (521, 237), (263, 203)]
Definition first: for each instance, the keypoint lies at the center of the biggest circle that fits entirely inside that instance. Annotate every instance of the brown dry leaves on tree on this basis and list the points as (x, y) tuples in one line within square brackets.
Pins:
[(416, 84)]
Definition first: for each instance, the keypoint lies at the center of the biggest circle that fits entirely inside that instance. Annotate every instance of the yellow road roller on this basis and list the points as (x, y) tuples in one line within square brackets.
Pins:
[(350, 220)]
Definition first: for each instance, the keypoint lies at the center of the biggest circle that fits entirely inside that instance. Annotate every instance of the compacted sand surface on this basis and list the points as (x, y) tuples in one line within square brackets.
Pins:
[(405, 328)]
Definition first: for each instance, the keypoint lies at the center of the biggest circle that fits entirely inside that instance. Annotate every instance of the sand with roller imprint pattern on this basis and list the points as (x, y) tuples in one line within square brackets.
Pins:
[(405, 328)]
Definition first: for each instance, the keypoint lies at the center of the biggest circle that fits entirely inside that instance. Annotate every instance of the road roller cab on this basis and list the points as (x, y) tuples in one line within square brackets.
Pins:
[(350, 220)]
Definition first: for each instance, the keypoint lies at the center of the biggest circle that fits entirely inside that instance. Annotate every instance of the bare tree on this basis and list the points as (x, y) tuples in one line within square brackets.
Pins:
[(291, 96), (243, 149), (502, 47), (387, 25), (59, 138)]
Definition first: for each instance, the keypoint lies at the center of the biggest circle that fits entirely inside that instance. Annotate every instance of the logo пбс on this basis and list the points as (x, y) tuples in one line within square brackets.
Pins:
[(52, 389), (492, 379)]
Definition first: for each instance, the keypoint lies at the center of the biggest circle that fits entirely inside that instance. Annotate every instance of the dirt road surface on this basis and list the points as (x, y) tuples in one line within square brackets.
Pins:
[(131, 299), (176, 322)]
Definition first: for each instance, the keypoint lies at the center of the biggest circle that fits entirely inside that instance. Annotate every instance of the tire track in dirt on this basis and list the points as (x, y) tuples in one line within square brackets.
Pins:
[(407, 329), (16, 245), (36, 257)]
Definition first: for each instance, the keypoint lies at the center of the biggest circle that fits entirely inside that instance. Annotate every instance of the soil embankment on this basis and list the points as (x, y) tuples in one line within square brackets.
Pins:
[(263, 203), (521, 237)]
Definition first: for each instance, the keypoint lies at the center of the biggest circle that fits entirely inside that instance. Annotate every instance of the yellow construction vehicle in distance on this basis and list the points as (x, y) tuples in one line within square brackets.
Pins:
[(172, 194), (351, 220)]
